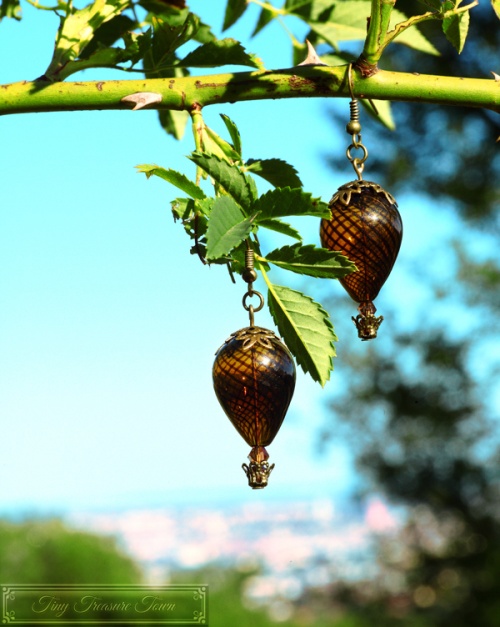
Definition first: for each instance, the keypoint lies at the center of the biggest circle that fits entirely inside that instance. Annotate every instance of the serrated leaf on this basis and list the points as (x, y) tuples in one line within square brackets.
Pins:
[(175, 178), (496, 7), (306, 329), (311, 261), (233, 132), (77, 30), (234, 10), (281, 227), (227, 227), (108, 33), (220, 52), (167, 38), (456, 28), (282, 202), (275, 171), (228, 176)]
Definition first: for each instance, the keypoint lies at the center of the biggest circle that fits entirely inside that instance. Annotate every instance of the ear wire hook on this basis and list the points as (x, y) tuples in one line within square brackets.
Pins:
[(349, 80)]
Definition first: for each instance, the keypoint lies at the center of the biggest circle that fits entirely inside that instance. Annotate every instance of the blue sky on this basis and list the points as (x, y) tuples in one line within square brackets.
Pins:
[(108, 326)]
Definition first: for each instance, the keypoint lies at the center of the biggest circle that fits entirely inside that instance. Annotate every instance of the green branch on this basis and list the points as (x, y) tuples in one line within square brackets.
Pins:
[(186, 93), (377, 28)]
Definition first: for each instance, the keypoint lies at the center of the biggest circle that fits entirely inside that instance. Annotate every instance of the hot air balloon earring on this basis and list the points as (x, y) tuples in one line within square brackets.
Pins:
[(254, 380), (366, 226)]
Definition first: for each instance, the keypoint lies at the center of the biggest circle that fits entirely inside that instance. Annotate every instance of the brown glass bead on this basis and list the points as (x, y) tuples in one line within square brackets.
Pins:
[(367, 228), (254, 380)]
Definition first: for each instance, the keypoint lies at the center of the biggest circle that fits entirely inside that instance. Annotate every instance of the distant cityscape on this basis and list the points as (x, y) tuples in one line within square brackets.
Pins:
[(291, 545)]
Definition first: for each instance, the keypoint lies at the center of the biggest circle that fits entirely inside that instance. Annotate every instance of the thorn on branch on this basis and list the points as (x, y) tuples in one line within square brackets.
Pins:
[(312, 56), (142, 99)]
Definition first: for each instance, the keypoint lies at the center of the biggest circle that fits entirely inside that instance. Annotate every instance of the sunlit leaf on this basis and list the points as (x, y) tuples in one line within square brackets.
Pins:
[(167, 39), (77, 30), (456, 28), (281, 227), (220, 52), (277, 172), (234, 10), (312, 261), (412, 37), (306, 329), (10, 8), (233, 132), (229, 177), (227, 227), (382, 112), (174, 122), (348, 21), (175, 178), (107, 34), (266, 16), (282, 202)]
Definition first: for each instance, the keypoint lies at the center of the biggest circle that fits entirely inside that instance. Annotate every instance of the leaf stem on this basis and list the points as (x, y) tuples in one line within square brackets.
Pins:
[(378, 26)]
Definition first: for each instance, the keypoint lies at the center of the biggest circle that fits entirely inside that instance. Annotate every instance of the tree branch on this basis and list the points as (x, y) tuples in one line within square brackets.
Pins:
[(299, 82)]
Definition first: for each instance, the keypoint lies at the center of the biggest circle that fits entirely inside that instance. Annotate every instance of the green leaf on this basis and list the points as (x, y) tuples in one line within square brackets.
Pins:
[(266, 16), (214, 144), (347, 21), (233, 132), (282, 202), (456, 28), (10, 8), (175, 178), (174, 122), (433, 4), (312, 261), (496, 7), (306, 329), (166, 40), (277, 172), (281, 227), (227, 227), (412, 37), (228, 176), (234, 10), (382, 113), (77, 30), (108, 33), (220, 52)]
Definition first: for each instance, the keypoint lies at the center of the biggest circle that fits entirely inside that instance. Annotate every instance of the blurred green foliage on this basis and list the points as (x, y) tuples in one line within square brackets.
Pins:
[(48, 551)]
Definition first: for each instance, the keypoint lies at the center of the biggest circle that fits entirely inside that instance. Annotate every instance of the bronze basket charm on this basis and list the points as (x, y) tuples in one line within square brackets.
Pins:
[(367, 228), (254, 380)]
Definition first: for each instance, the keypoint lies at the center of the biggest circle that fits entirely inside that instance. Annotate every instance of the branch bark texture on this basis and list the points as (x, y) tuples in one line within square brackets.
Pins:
[(297, 82)]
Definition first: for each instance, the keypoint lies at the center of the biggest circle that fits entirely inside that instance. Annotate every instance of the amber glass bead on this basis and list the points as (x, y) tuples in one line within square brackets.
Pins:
[(254, 380), (366, 226)]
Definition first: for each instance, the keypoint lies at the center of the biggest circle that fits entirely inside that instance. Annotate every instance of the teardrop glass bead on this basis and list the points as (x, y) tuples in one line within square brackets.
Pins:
[(254, 380), (366, 226)]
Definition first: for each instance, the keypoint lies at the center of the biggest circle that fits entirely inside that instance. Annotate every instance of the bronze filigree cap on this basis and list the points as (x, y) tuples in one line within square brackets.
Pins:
[(344, 192)]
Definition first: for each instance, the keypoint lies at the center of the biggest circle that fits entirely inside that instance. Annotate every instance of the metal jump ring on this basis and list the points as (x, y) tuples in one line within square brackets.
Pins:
[(253, 293)]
